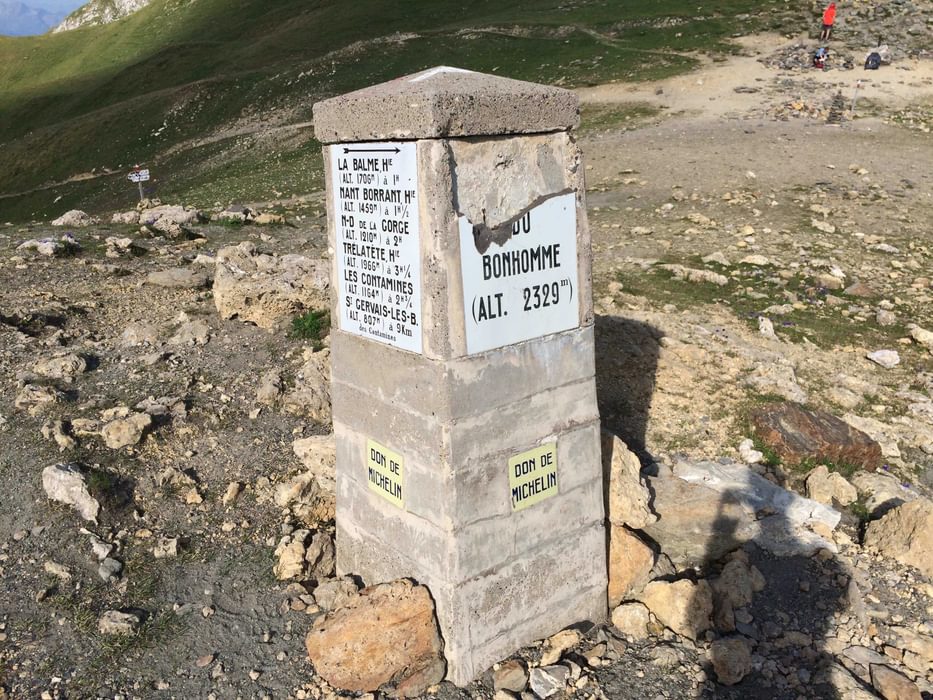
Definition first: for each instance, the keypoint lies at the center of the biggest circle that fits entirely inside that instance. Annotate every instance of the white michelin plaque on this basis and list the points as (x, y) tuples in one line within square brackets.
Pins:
[(520, 279), (375, 190)]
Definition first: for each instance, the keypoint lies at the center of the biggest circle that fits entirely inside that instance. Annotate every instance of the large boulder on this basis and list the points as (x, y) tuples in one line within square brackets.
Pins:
[(882, 492), (265, 289), (169, 213), (75, 218), (707, 509), (310, 396), (892, 685), (798, 434), (906, 534), (628, 495), (65, 366), (385, 637), (630, 563)]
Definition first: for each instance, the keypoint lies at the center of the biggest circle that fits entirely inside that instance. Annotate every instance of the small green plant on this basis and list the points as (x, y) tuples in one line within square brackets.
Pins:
[(770, 458), (860, 511), (312, 326), (100, 482)]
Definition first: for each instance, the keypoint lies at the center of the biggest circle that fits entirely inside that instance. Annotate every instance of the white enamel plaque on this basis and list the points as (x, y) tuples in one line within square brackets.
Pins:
[(375, 190), (526, 286)]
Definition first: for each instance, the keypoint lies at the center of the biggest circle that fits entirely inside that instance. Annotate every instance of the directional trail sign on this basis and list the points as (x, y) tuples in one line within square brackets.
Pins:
[(138, 176)]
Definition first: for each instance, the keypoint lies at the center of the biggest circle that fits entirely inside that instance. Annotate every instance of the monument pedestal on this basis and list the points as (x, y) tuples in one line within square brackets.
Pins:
[(464, 399)]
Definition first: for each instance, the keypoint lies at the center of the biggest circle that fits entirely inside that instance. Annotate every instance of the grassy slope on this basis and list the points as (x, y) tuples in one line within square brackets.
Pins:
[(104, 97)]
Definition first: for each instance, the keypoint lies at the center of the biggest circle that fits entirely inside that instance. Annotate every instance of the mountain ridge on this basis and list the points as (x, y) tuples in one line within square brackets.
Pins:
[(99, 12)]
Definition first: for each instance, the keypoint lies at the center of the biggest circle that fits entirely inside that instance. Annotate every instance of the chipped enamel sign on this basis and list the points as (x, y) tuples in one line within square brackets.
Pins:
[(375, 190), (533, 476), (385, 473), (526, 286)]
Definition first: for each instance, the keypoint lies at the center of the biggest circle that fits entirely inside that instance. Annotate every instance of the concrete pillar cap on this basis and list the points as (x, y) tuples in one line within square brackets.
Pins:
[(445, 102)]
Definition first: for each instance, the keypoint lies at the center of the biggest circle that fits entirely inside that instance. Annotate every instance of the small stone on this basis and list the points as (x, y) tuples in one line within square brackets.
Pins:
[(233, 491), (628, 494), (556, 645), (885, 317), (109, 569), (923, 337), (748, 453), (57, 570), (125, 432), (335, 593), (731, 658), (548, 681), (631, 619), (511, 675), (166, 548), (765, 327), (205, 661), (66, 483), (798, 434), (631, 561), (889, 359), (117, 622), (826, 487)]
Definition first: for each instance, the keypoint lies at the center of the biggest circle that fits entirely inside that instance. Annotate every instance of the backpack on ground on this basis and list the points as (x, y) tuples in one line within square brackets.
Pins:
[(873, 61)]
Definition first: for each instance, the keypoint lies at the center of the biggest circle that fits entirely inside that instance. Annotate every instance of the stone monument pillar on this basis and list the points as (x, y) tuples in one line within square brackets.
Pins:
[(464, 398)]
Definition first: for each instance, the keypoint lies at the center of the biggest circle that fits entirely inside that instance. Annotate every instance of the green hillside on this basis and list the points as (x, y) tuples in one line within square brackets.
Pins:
[(197, 89)]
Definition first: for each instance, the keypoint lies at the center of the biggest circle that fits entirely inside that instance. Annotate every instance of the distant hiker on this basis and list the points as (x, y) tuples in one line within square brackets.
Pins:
[(820, 56), (829, 18)]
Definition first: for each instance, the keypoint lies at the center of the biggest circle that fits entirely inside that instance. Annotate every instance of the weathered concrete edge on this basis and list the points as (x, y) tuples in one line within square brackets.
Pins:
[(397, 117)]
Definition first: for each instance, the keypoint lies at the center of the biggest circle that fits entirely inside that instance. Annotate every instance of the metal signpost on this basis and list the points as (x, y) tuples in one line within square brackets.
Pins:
[(139, 177)]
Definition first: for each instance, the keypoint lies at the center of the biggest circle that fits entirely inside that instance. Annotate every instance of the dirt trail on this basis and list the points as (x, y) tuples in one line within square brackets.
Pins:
[(711, 90)]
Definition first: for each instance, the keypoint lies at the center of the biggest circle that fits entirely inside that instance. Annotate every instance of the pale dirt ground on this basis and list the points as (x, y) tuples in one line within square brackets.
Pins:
[(709, 92)]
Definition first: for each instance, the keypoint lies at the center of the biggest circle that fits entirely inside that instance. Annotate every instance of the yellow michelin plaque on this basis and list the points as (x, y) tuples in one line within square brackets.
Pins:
[(384, 472), (533, 476)]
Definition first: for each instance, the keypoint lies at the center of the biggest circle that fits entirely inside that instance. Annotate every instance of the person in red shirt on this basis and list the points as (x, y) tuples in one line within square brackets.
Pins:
[(829, 17)]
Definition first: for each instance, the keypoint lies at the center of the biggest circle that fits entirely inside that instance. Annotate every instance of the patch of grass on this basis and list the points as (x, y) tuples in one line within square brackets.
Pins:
[(604, 117), (844, 468), (100, 481), (861, 512), (770, 458), (313, 325)]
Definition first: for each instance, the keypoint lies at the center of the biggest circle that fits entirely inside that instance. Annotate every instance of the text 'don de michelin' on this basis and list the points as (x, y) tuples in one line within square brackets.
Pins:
[(385, 473), (533, 476)]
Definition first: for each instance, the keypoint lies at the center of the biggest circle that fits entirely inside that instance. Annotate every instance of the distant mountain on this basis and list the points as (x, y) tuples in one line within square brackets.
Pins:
[(98, 12), (17, 19)]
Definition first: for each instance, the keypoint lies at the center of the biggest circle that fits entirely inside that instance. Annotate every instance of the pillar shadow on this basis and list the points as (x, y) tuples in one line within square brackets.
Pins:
[(786, 625), (627, 354)]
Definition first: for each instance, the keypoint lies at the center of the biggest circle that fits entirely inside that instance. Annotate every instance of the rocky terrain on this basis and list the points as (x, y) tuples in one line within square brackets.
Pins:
[(765, 375), (99, 12)]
